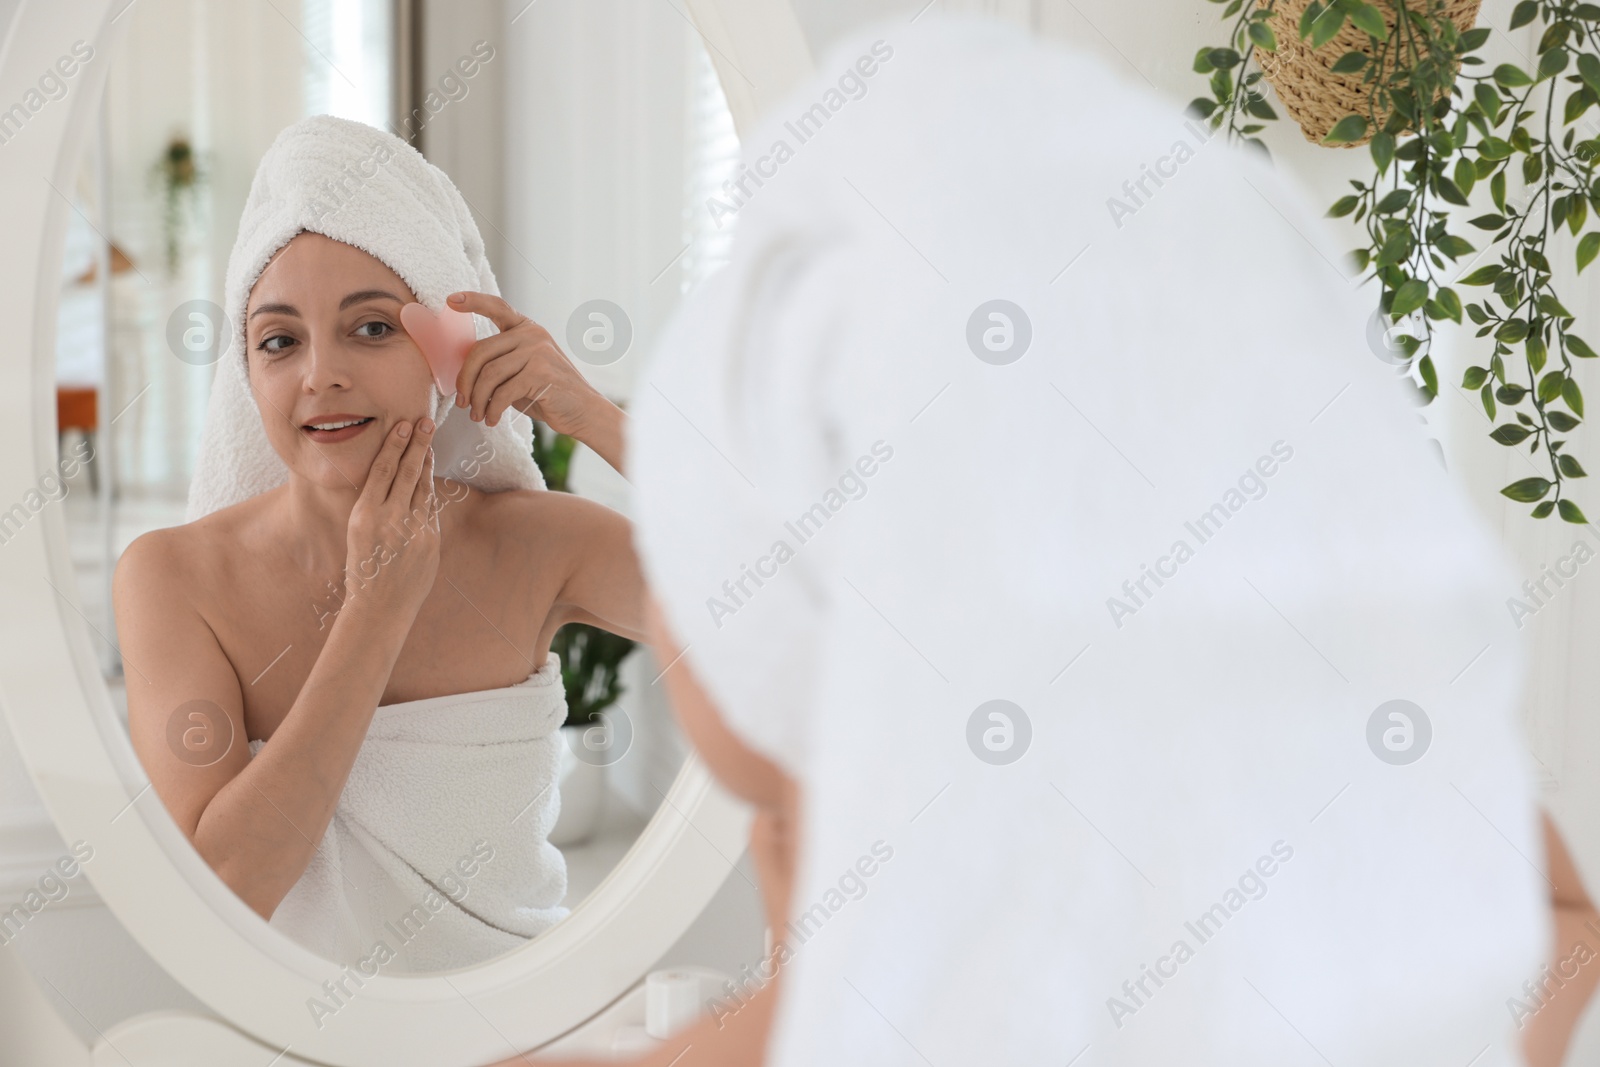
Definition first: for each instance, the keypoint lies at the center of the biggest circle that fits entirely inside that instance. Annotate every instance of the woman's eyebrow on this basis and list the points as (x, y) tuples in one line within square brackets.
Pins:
[(275, 309), (368, 294), (349, 301)]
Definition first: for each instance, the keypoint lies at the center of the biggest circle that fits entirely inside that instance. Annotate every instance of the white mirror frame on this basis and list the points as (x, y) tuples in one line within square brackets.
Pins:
[(80, 758)]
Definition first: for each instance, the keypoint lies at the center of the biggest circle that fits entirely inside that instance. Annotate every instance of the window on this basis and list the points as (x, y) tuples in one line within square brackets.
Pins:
[(350, 71), (713, 156)]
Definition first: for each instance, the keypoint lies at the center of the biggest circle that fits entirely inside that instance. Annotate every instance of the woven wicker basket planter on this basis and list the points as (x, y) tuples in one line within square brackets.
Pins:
[(1313, 95)]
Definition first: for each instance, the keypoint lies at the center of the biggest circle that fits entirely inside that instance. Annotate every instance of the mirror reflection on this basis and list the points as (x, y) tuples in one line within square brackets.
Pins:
[(375, 647)]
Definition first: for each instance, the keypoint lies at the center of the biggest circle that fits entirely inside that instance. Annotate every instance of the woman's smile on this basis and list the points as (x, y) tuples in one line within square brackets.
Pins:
[(331, 429)]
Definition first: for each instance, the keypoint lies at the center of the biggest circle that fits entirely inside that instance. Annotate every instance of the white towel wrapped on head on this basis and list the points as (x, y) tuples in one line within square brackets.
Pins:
[(369, 189)]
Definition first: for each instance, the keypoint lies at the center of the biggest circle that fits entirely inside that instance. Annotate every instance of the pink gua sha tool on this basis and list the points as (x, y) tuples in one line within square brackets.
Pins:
[(445, 337)]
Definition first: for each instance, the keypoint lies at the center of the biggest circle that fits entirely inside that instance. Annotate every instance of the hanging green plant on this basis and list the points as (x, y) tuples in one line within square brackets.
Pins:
[(1435, 130), (180, 178)]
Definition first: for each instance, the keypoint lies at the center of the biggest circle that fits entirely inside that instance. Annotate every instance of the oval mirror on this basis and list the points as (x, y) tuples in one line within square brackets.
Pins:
[(125, 186)]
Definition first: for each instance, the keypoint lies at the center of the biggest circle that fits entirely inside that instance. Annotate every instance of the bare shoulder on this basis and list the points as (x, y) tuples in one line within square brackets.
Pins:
[(182, 559), (544, 513)]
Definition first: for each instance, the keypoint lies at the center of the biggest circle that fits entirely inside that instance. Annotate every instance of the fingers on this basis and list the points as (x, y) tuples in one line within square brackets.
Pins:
[(501, 377), (479, 355), (380, 476), (423, 498), (405, 479), (492, 308), (516, 393)]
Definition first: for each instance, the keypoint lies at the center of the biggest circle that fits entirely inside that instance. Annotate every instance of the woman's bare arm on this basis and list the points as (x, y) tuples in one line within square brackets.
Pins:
[(592, 545), (1549, 1030), (258, 822)]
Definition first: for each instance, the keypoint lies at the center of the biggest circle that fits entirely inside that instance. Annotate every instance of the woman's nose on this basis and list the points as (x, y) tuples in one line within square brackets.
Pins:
[(327, 364)]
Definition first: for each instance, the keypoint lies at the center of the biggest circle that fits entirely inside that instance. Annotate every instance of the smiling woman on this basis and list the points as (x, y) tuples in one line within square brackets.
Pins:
[(333, 775)]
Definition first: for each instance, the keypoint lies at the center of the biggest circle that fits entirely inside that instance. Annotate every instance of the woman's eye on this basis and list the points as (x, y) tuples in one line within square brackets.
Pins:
[(383, 327), (270, 344)]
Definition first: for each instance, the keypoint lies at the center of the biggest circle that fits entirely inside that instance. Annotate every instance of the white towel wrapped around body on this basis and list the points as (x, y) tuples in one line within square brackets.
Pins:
[(438, 849)]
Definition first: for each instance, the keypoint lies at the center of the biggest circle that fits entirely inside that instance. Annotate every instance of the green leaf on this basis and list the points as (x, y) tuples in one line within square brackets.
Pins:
[(1589, 70), (1573, 396), (1536, 352), (1511, 331), (1366, 17), (1571, 513), (1484, 93), (1524, 13), (1393, 201), (1488, 222), (1202, 61), (1578, 346), (1511, 393), (1349, 128), (1511, 76), (1553, 62), (1474, 377), (1495, 148), (1257, 106), (1346, 204), (1223, 58), (1588, 248), (1263, 36), (1325, 26), (1454, 247), (1408, 298), (1451, 303), (1430, 376), (1350, 62), (1382, 150), (1484, 275), (1486, 394), (1449, 191), (1548, 304), (1550, 386), (1577, 104), (1313, 11), (1544, 509), (1571, 468), (1497, 189), (1561, 421), (1528, 489)]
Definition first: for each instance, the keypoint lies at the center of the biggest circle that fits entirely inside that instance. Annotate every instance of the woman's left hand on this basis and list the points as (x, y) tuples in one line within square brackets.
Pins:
[(522, 367)]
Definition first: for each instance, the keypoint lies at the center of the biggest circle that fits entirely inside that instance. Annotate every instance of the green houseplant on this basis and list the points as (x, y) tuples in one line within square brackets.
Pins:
[(1437, 124), (180, 177), (591, 658)]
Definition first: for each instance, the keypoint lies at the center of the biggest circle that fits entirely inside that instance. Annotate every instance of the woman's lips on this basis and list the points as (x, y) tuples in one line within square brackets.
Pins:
[(335, 436)]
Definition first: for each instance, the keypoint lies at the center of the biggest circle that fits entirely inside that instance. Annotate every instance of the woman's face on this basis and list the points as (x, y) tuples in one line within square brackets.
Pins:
[(325, 345)]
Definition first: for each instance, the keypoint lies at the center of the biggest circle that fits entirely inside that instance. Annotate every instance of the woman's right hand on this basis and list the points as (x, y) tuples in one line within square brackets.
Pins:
[(392, 544)]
